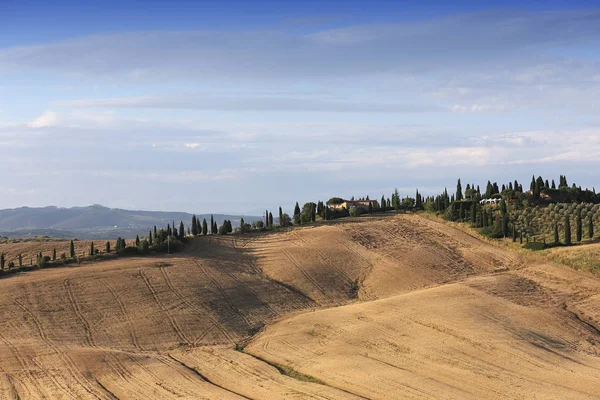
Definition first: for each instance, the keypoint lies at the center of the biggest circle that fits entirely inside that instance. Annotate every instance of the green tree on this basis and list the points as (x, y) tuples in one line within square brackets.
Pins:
[(308, 212), (382, 203), (72, 249), (396, 200), (504, 216), (567, 231), (579, 227), (150, 238), (297, 214), (556, 237), (194, 226), (270, 220), (280, 216), (204, 227), (2, 261), (107, 247), (590, 227), (155, 232), (54, 255), (20, 260), (92, 250), (181, 230), (212, 225), (137, 241), (514, 233), (459, 194)]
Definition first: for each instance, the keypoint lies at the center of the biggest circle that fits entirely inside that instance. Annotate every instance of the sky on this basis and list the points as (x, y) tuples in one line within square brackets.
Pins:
[(239, 106)]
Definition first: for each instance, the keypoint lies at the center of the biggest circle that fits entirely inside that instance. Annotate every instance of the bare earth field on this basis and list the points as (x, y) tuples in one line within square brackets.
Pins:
[(387, 307)]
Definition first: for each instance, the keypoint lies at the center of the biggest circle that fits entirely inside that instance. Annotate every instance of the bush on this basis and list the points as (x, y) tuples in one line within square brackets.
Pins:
[(174, 246), (355, 211), (492, 232), (131, 251), (11, 265), (535, 246)]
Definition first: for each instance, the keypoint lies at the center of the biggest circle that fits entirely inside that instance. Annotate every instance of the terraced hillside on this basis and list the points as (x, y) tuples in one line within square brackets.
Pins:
[(382, 307)]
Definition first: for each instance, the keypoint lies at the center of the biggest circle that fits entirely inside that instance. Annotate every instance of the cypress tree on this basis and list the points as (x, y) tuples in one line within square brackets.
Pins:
[(215, 228), (297, 214), (521, 238), (270, 220), (280, 216), (72, 249), (137, 241), (579, 232), (461, 212), (556, 238), (567, 231), (54, 255), (2, 261), (107, 247), (266, 218), (181, 230), (514, 233), (459, 194), (504, 213), (20, 260), (204, 227), (212, 225), (590, 227), (92, 251), (473, 214), (383, 203), (150, 238), (154, 231), (194, 226)]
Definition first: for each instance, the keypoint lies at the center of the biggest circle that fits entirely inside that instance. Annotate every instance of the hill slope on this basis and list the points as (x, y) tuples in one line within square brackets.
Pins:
[(385, 307)]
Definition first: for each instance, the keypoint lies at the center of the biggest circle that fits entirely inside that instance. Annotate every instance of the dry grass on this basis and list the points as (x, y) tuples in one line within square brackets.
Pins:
[(584, 257)]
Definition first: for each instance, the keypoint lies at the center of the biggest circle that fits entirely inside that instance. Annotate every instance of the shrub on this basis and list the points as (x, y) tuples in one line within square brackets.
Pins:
[(535, 246), (131, 251), (11, 265), (355, 211), (492, 232)]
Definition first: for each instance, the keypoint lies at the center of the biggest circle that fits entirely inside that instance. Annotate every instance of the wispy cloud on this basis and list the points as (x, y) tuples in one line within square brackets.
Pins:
[(47, 119)]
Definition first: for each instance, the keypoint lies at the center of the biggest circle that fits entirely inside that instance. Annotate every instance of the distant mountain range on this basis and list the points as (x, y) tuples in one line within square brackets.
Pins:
[(94, 222)]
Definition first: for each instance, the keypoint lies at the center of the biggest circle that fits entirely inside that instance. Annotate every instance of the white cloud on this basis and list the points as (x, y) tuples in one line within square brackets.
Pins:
[(47, 119), (192, 145), (475, 108)]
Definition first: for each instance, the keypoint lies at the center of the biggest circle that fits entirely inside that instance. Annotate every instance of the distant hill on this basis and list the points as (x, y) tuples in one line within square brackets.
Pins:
[(94, 222)]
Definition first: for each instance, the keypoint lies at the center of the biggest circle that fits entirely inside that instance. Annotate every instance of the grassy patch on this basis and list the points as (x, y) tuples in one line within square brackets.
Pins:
[(163, 264), (285, 370), (585, 257)]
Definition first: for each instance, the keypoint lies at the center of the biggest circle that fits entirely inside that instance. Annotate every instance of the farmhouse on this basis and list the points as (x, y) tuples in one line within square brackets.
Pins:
[(490, 201), (361, 204)]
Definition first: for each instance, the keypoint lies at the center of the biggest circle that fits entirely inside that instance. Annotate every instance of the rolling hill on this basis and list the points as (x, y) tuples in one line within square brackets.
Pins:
[(93, 222), (394, 306)]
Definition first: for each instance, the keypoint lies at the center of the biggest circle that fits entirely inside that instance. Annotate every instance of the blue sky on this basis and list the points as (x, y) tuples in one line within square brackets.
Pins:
[(242, 106)]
